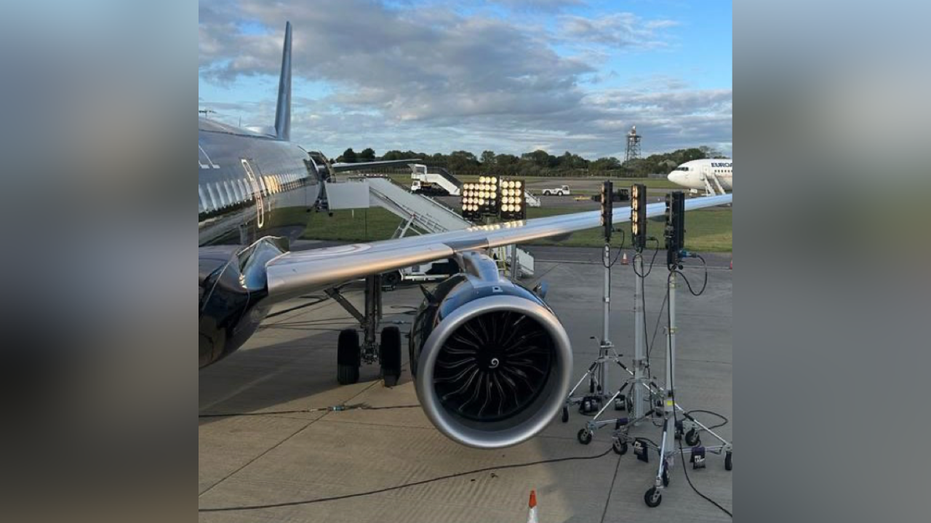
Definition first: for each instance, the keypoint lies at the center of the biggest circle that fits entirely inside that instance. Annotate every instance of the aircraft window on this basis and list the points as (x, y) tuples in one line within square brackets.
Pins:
[(262, 188)]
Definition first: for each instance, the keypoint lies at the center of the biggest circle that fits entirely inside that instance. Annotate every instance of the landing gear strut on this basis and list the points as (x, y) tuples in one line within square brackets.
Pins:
[(351, 354)]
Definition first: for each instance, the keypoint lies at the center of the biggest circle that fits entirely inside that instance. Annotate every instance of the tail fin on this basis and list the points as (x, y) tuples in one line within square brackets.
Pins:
[(283, 111)]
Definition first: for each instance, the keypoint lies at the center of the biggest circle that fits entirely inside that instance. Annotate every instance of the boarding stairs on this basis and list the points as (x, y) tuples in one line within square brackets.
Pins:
[(438, 176), (422, 213), (713, 186), (452, 185)]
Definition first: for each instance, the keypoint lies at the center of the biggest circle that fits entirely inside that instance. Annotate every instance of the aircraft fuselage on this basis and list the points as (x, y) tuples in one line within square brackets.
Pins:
[(251, 185)]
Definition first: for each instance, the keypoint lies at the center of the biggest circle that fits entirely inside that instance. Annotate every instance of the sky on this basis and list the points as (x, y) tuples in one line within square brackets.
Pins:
[(509, 76)]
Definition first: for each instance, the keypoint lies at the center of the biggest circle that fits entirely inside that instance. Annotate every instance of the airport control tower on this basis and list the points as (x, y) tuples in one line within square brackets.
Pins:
[(633, 144)]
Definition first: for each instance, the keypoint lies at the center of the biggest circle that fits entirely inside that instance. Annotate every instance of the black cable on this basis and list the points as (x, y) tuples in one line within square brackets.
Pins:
[(649, 347), (655, 252), (685, 470), (724, 420), (704, 281), (619, 250), (659, 317), (672, 387), (334, 408), (399, 487)]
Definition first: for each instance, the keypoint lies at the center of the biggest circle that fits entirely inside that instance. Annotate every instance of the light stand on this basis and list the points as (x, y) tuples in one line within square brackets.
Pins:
[(638, 382), (597, 374), (691, 427)]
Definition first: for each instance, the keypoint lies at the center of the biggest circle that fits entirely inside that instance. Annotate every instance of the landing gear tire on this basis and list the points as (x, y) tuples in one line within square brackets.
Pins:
[(565, 414), (585, 437), (348, 357), (653, 498), (390, 355), (728, 461), (692, 438), (619, 447)]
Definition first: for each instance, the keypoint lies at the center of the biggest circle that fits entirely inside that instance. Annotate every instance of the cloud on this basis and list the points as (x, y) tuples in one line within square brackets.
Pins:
[(540, 5), (620, 30), (435, 80)]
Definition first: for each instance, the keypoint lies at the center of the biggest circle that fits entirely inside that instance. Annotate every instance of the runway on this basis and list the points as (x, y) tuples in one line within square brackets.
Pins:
[(298, 453)]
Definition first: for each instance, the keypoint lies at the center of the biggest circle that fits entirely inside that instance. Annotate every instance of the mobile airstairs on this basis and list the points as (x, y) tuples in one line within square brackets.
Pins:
[(420, 214), (713, 186), (441, 177)]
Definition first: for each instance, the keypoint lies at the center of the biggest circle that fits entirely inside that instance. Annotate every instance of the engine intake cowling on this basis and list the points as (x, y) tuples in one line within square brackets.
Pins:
[(492, 362)]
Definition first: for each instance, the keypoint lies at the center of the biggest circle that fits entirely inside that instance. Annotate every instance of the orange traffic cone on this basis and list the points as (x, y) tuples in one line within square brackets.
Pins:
[(624, 259), (532, 517)]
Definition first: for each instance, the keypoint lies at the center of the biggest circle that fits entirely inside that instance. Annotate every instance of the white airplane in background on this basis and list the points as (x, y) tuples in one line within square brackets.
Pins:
[(714, 176)]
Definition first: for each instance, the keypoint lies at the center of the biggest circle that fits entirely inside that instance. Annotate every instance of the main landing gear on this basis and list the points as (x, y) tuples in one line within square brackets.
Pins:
[(351, 353)]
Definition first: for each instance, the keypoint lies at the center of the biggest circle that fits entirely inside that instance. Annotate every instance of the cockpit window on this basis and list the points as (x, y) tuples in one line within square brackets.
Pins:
[(682, 168)]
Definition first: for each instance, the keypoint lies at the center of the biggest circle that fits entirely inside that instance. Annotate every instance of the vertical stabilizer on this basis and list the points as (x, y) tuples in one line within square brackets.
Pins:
[(283, 111)]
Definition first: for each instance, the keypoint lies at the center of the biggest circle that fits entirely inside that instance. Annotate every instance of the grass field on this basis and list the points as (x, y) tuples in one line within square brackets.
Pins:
[(707, 230)]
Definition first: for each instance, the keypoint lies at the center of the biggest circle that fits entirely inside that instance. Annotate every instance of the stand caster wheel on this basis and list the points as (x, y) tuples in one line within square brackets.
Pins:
[(585, 437), (619, 447), (653, 497), (389, 354), (348, 357), (565, 414), (692, 438), (728, 462), (620, 403)]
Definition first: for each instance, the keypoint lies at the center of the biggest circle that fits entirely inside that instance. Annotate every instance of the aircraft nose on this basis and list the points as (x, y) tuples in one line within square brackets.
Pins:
[(675, 177)]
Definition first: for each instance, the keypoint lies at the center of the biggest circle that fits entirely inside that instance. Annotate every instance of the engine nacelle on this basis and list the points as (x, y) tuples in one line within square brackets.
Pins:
[(491, 361)]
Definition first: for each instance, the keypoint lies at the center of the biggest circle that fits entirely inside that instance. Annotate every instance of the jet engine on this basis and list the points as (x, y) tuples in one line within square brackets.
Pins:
[(491, 361)]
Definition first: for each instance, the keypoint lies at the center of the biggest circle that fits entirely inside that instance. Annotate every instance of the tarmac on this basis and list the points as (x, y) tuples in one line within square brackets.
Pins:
[(283, 451)]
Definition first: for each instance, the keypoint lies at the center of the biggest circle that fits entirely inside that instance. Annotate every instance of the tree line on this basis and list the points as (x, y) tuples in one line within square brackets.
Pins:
[(538, 163)]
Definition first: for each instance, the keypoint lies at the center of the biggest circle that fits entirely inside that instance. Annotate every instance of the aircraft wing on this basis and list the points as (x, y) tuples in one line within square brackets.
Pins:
[(295, 273), (339, 167)]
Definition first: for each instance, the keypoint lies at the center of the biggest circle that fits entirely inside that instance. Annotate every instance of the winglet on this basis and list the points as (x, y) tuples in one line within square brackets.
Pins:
[(283, 111)]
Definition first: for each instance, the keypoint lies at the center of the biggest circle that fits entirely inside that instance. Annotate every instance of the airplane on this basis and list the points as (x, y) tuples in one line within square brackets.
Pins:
[(491, 361), (714, 176)]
